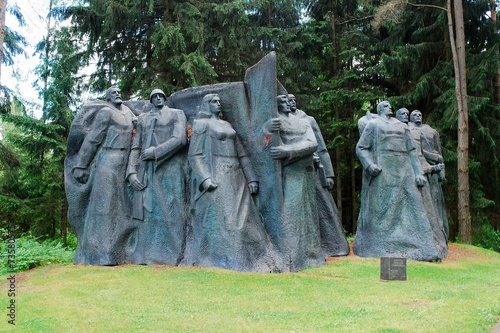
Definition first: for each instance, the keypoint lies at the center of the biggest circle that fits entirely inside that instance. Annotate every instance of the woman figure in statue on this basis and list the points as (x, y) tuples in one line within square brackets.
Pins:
[(227, 231)]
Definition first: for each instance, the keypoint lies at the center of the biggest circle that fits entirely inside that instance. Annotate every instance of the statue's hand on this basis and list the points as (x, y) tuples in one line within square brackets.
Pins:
[(209, 185), (253, 187), (148, 154), (278, 153), (329, 183), (420, 180), (437, 168), (81, 175), (134, 181), (441, 175), (274, 124), (374, 169)]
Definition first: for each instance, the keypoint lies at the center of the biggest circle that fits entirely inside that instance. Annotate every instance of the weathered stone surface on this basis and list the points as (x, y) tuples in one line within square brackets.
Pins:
[(429, 152), (98, 200), (393, 220), (226, 228), (157, 172), (333, 240), (182, 218)]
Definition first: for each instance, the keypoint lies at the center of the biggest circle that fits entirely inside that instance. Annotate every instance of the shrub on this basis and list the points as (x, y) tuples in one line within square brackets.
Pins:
[(488, 238), (29, 252)]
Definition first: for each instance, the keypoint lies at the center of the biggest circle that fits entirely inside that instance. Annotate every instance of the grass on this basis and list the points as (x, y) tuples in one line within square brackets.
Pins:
[(460, 294)]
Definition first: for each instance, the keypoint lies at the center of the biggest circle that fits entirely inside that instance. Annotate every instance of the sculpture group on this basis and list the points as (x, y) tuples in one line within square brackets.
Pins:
[(186, 180), (235, 176), (402, 206)]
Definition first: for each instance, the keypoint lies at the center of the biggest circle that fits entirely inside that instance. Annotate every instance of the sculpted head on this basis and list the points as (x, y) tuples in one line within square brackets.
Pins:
[(210, 105), (416, 117), (283, 104), (402, 115), (114, 96), (384, 109), (157, 98), (291, 101)]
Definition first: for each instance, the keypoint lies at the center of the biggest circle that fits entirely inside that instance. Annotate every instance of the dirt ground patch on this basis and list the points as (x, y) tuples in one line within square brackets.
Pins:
[(456, 252)]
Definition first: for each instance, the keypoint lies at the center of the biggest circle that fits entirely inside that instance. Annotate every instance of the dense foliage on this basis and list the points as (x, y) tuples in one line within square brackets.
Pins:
[(31, 252), (339, 57)]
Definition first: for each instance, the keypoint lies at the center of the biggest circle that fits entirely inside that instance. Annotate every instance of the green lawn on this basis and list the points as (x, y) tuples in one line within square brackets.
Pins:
[(461, 294)]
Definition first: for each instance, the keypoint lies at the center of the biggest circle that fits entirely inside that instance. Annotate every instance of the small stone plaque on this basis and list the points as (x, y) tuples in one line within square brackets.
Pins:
[(393, 268)]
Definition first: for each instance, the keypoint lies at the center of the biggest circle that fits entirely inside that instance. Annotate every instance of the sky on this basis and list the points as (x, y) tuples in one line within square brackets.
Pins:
[(34, 12)]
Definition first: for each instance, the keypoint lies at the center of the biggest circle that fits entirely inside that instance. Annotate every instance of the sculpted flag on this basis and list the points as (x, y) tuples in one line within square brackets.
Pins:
[(262, 87)]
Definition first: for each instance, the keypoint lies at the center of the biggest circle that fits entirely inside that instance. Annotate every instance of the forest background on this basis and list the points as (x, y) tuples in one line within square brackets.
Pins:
[(338, 57)]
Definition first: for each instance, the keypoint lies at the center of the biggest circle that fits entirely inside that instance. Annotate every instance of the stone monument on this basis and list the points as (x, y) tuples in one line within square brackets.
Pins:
[(393, 220), (244, 199), (227, 231), (95, 166)]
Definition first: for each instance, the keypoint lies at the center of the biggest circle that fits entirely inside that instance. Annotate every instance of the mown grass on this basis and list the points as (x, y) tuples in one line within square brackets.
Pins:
[(457, 295)]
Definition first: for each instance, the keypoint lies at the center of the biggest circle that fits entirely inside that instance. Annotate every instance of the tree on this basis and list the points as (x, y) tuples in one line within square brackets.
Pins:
[(3, 8), (33, 191), (458, 50)]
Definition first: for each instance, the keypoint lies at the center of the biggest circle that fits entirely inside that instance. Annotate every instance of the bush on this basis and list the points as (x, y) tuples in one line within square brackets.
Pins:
[(488, 238), (71, 241), (29, 253)]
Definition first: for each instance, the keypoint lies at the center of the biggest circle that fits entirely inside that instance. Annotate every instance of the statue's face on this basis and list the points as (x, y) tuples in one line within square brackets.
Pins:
[(158, 100), (293, 104), (416, 117), (402, 115), (114, 95), (215, 106), (283, 105), (384, 109)]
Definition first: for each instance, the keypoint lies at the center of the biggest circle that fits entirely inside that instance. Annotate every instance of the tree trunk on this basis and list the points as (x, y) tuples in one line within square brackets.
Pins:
[(64, 221), (47, 50), (458, 50), (3, 8), (338, 178), (354, 215), (496, 77), (335, 71)]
